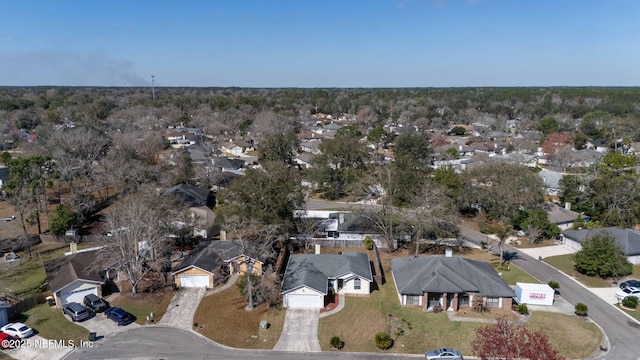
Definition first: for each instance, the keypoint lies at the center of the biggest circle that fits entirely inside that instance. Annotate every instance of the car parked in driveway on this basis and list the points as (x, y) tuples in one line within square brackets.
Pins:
[(443, 353), (17, 329), (119, 316), (95, 303), (76, 311), (630, 283), (628, 291)]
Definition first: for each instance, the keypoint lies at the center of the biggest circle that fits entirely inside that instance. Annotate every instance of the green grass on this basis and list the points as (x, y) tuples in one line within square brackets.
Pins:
[(566, 264), (512, 274), (26, 276), (143, 304), (50, 323)]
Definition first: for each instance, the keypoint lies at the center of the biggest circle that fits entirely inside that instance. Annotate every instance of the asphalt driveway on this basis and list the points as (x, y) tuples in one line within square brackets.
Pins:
[(300, 331), (182, 308)]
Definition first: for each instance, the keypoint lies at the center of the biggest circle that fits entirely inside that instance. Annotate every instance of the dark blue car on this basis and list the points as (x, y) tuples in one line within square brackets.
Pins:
[(119, 316)]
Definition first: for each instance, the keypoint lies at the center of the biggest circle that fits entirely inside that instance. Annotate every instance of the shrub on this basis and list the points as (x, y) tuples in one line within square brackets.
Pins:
[(523, 309), (554, 285), (581, 309), (478, 304), (630, 302), (368, 243), (383, 341), (336, 342)]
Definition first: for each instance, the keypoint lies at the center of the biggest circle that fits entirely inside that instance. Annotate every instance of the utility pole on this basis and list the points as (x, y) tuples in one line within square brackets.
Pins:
[(153, 87)]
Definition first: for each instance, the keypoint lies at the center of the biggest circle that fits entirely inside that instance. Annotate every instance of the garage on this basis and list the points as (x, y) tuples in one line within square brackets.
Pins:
[(304, 301), (77, 295), (194, 281)]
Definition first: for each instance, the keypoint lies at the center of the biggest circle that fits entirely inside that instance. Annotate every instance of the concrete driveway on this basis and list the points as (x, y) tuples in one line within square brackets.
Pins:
[(102, 325), (182, 308), (300, 331)]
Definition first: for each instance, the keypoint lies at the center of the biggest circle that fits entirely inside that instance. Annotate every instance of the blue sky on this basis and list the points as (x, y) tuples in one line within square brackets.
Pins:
[(307, 43)]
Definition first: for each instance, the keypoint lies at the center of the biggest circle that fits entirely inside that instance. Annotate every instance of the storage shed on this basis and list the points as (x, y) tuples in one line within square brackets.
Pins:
[(534, 294)]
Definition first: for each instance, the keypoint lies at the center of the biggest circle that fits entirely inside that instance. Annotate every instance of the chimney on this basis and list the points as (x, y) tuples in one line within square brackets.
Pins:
[(223, 235), (73, 247), (317, 249), (567, 205), (448, 252)]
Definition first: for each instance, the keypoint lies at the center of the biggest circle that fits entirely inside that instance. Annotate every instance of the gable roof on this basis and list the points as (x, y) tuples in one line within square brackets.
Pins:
[(419, 275), (210, 256), (63, 271), (203, 257), (314, 270), (558, 214), (627, 239), (192, 196)]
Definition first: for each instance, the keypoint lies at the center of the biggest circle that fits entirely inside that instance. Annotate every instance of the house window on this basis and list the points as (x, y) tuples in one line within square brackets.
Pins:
[(493, 302), (413, 300), (356, 284), (464, 300)]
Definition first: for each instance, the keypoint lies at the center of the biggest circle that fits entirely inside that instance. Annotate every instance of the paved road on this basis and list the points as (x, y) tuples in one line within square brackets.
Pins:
[(623, 334), (158, 342)]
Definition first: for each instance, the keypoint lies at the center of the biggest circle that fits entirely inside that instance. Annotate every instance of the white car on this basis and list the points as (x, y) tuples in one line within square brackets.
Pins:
[(443, 354), (628, 291), (17, 329)]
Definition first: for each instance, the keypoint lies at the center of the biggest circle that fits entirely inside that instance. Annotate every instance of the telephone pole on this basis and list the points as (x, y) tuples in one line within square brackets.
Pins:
[(153, 87)]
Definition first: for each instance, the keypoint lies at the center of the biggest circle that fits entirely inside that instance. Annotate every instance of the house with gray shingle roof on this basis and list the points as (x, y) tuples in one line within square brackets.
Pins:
[(448, 282), (310, 280), (628, 240), (208, 263)]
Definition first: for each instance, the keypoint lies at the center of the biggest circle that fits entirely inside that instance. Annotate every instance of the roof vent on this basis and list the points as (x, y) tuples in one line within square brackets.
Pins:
[(448, 252)]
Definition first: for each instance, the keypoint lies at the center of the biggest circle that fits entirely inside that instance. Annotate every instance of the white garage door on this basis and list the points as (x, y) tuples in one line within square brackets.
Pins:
[(77, 295), (194, 280), (303, 301)]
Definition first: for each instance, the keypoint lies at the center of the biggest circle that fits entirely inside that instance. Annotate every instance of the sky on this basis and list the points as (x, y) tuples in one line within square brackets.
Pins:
[(328, 43)]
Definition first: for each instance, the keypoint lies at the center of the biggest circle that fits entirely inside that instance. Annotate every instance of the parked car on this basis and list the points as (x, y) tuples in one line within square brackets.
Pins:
[(95, 303), (443, 353), (630, 283), (6, 341), (17, 329), (119, 316), (628, 291), (76, 311)]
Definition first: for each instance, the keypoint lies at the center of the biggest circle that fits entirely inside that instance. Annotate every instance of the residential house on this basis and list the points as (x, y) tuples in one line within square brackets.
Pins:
[(584, 158), (551, 181), (223, 163), (351, 227), (310, 280), (448, 283), (599, 145), (304, 160), (236, 147), (210, 262), (78, 274), (628, 240), (563, 217), (199, 202), (312, 147)]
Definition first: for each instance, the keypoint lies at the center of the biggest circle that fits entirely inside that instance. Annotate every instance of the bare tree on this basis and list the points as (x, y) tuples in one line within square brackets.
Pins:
[(257, 241), (136, 238)]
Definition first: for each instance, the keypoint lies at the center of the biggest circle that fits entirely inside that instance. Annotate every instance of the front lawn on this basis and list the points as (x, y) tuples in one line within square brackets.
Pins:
[(633, 313), (222, 318), (566, 264), (50, 323), (25, 277), (143, 304)]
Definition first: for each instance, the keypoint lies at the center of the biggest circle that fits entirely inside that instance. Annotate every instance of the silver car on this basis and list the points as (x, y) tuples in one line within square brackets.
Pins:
[(443, 353)]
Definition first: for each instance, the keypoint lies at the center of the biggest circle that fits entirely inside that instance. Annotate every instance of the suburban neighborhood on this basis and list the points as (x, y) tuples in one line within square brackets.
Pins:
[(319, 221)]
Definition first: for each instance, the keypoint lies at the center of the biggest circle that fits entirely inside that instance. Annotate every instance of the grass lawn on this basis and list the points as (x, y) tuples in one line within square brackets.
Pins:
[(222, 318), (143, 303), (565, 263), (50, 323), (24, 277), (584, 336)]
